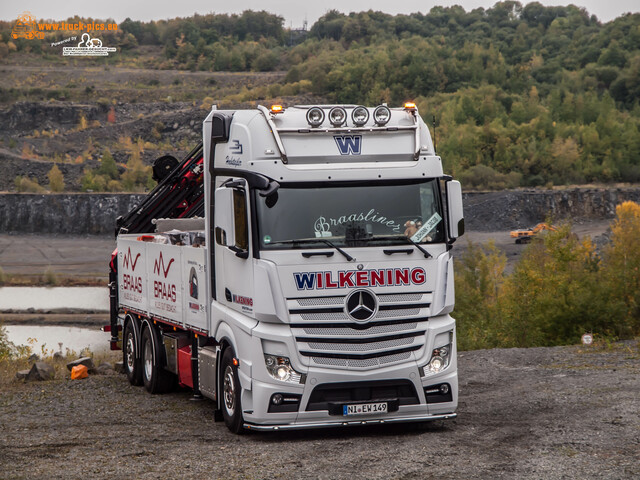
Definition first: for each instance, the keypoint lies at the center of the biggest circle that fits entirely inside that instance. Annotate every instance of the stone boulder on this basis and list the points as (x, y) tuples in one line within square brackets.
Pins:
[(39, 371), (86, 361)]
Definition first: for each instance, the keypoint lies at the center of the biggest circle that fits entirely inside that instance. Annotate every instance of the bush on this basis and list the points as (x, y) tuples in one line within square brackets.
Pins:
[(50, 277), (56, 179), (27, 185)]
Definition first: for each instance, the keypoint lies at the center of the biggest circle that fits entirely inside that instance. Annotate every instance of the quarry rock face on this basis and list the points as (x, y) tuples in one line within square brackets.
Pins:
[(514, 209), (68, 213)]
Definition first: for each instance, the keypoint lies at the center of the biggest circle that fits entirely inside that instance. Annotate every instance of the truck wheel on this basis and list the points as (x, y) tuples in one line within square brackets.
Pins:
[(132, 365), (156, 379), (231, 404)]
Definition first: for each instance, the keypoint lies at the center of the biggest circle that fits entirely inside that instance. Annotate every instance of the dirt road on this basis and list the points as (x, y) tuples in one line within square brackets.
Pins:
[(563, 412)]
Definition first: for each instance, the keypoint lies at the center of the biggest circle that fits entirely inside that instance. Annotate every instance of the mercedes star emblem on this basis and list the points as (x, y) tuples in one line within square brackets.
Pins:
[(361, 305)]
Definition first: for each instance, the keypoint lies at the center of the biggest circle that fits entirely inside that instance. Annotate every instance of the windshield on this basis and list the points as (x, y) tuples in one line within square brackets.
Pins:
[(351, 216)]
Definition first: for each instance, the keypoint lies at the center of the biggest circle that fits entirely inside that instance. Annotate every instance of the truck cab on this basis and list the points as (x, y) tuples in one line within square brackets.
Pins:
[(325, 280)]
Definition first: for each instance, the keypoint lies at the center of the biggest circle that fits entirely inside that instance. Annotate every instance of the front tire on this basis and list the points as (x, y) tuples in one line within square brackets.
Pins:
[(130, 357), (231, 403), (156, 379)]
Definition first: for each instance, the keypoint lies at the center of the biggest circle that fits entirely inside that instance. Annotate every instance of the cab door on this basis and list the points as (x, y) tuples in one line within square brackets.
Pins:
[(233, 254)]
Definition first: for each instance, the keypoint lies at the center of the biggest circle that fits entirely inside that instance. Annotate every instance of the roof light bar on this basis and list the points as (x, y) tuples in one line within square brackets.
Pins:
[(315, 116), (381, 115), (360, 115), (409, 106), (275, 109)]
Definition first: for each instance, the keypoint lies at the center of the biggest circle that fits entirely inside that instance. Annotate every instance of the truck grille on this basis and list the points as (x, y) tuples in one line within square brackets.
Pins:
[(327, 336)]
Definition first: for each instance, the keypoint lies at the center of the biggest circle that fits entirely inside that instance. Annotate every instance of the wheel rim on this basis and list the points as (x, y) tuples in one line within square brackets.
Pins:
[(130, 352), (229, 391), (148, 360)]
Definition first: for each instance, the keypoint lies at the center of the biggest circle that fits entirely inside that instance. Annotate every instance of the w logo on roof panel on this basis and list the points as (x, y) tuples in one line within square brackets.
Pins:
[(349, 144)]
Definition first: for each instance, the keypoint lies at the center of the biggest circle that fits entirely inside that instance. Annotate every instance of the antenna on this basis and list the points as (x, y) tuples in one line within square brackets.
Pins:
[(434, 133)]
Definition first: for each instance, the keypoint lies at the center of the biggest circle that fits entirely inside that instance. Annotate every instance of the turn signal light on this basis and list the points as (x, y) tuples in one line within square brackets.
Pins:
[(277, 109)]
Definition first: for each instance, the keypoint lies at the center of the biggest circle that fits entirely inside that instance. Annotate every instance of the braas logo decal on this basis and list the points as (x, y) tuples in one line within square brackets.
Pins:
[(349, 144), (360, 278), (158, 266), (127, 261)]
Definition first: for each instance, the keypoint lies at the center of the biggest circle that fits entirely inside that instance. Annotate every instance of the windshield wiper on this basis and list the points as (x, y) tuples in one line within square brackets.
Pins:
[(398, 237), (314, 240)]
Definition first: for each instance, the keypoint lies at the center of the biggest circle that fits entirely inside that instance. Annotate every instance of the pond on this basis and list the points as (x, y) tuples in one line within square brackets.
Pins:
[(58, 339), (51, 298)]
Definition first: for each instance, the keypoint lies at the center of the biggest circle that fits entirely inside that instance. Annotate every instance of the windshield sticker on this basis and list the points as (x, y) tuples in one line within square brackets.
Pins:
[(324, 224), (266, 239), (426, 229)]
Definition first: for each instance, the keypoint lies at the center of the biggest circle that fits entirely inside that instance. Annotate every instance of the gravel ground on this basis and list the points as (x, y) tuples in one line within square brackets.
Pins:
[(563, 412)]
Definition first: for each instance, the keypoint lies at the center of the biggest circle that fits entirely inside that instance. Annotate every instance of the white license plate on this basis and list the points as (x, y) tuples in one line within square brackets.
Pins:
[(364, 408)]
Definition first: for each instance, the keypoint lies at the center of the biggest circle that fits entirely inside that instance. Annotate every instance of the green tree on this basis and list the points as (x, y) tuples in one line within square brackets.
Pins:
[(56, 179)]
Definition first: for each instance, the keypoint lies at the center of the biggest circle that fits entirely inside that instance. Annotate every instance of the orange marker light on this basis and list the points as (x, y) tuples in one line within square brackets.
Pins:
[(236, 362), (409, 106), (277, 109)]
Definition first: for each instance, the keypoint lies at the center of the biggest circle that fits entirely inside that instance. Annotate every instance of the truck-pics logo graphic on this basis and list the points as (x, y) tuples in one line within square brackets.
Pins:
[(158, 266), (349, 144), (128, 262), (88, 47), (26, 27)]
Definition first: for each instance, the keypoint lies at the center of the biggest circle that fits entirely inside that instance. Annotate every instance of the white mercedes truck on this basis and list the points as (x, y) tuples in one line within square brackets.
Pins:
[(296, 269)]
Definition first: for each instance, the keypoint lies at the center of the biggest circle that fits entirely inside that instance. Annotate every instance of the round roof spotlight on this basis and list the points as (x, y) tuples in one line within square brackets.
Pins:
[(337, 116), (381, 115), (315, 116), (360, 115)]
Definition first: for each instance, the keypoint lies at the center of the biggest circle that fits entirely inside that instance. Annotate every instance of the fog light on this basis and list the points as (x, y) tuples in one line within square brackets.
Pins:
[(337, 116), (381, 115), (444, 388), (360, 115), (276, 399), (315, 116)]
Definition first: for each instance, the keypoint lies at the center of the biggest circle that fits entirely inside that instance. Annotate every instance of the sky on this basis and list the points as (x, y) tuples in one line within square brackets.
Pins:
[(295, 12)]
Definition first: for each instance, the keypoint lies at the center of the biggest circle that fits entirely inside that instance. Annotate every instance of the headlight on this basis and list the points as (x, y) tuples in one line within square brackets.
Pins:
[(440, 359), (360, 115), (280, 369), (381, 115), (337, 116), (315, 116)]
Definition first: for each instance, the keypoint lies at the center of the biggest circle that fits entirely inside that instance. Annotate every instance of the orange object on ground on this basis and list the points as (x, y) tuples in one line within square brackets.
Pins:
[(78, 372)]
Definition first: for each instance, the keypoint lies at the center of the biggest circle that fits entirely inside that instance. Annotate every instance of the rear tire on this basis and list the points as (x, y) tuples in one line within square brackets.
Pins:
[(130, 357), (231, 403), (156, 379)]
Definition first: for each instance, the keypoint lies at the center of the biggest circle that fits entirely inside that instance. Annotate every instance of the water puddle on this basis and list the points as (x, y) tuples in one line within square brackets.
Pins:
[(44, 298), (58, 339)]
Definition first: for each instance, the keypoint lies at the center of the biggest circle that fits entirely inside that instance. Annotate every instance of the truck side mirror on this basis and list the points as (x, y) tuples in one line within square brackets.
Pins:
[(225, 232), (454, 209), (231, 220)]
